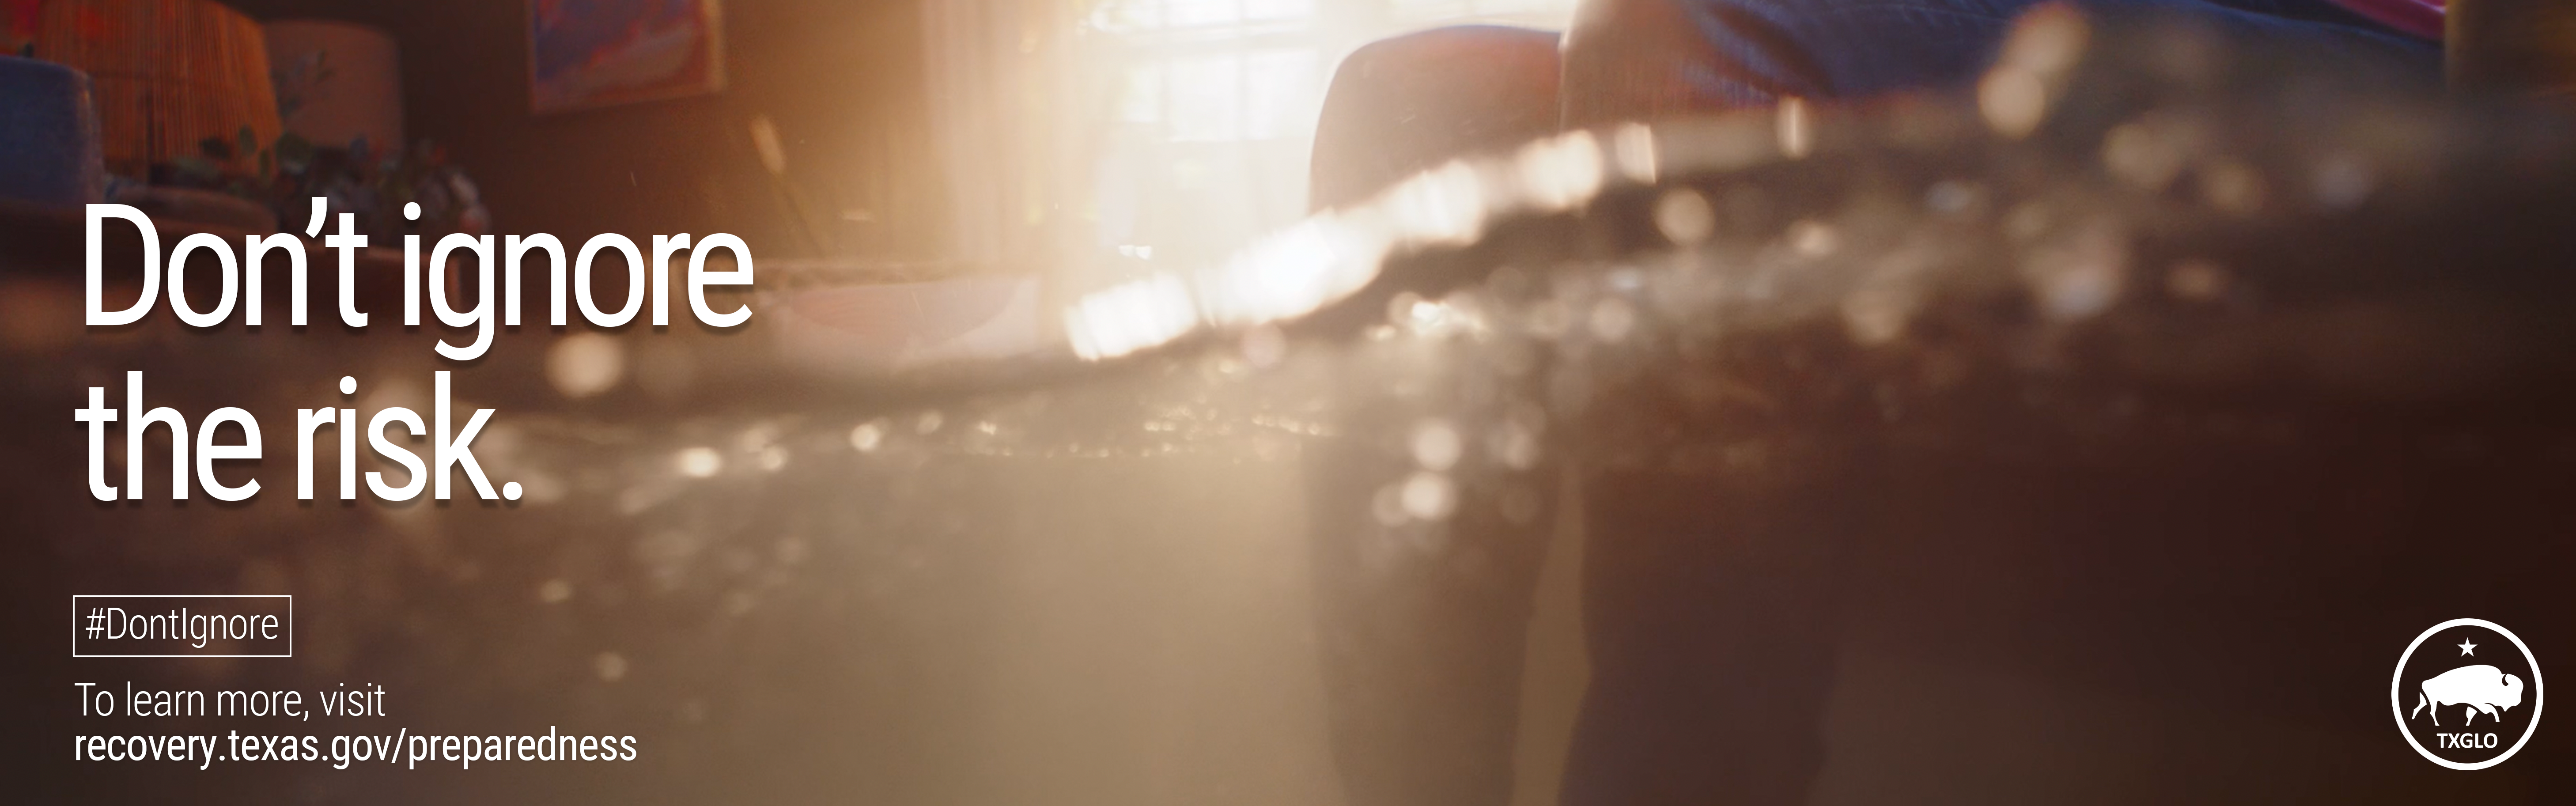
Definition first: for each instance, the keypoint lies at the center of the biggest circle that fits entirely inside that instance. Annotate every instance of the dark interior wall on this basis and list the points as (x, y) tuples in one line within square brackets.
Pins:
[(841, 80)]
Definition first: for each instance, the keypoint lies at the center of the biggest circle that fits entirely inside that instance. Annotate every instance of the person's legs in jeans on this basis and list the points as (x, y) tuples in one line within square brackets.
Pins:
[(1421, 647), (1407, 103)]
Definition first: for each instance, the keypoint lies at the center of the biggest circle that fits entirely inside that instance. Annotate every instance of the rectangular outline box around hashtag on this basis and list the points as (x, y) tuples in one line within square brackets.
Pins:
[(78, 625)]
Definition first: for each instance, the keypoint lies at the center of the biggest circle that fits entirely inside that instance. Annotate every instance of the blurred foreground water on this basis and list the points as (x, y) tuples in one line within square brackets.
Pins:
[(2165, 411)]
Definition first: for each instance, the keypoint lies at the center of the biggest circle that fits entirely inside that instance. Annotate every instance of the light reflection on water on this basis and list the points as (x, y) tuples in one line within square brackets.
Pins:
[(1088, 584)]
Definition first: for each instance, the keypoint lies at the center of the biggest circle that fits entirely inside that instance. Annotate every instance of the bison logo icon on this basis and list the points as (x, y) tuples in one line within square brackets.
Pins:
[(2483, 688), (2476, 669)]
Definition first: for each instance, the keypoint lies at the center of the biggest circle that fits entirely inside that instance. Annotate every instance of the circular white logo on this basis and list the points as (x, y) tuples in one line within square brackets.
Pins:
[(2470, 699)]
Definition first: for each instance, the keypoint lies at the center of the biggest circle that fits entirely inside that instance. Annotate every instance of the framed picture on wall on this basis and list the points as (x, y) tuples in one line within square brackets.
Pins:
[(585, 54)]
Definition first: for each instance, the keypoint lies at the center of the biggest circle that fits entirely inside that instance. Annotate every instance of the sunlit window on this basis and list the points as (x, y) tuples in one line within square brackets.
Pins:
[(1203, 111), (1152, 16), (1437, 11), (1225, 96), (1212, 71)]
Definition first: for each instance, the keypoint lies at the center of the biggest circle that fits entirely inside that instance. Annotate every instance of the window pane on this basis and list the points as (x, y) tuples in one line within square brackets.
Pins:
[(1269, 10), (1195, 13), (1206, 93), (1279, 93), (1141, 101)]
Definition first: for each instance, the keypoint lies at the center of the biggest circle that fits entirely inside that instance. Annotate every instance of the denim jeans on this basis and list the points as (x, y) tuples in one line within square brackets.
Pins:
[(1626, 59)]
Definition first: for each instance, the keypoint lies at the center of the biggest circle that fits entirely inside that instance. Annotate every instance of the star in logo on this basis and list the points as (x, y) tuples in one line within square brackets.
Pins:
[(2467, 648)]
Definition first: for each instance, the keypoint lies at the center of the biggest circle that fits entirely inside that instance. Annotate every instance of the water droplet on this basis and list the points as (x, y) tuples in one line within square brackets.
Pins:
[(585, 364), (1131, 316), (1951, 197), (2142, 155), (1514, 444), (1387, 506), (1436, 446), (2196, 281), (1813, 239), (1429, 496), (868, 435), (2043, 45), (2012, 100), (2081, 276), (698, 462), (1425, 316), (1684, 217), (1442, 205), (2233, 187), (1612, 319), (1878, 312), (610, 666), (1561, 172)]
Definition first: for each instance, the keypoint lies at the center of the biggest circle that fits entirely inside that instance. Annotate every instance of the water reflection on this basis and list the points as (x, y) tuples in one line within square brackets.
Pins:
[(1104, 588)]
